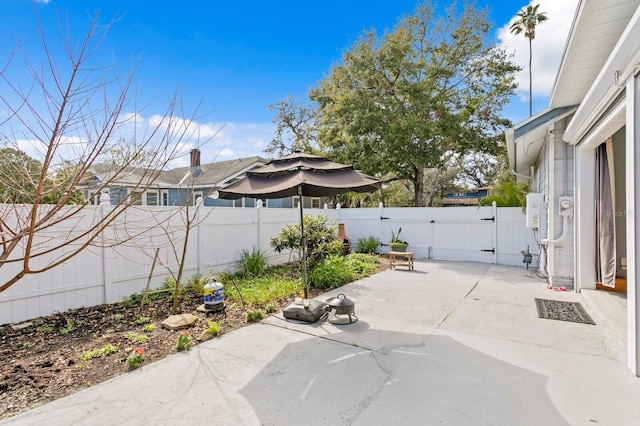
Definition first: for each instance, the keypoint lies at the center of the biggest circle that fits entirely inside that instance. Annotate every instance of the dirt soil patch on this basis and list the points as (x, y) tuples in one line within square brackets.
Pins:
[(42, 359)]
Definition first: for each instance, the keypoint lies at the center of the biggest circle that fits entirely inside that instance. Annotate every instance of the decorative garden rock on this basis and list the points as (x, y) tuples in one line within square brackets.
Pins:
[(180, 321)]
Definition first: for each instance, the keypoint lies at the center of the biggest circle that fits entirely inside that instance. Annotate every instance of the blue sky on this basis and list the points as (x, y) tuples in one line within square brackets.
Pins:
[(234, 59)]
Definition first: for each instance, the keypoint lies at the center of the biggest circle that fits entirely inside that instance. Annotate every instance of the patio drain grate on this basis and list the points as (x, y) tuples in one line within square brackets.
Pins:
[(562, 311)]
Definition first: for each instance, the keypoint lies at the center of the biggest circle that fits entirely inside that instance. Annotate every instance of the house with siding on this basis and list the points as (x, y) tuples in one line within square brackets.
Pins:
[(180, 186), (174, 187), (466, 198), (582, 159)]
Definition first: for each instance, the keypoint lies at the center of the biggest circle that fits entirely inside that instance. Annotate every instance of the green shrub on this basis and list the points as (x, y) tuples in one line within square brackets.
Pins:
[(362, 264), (252, 263), (128, 303), (168, 283), (333, 272), (196, 284), (368, 244), (321, 239), (213, 329), (255, 315), (184, 341), (135, 358)]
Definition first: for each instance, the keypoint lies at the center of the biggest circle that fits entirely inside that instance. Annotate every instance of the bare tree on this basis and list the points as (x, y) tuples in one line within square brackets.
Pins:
[(72, 114), (174, 226)]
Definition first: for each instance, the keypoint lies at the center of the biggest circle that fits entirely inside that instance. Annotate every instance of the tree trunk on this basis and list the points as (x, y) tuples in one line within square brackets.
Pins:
[(434, 187), (418, 187), (530, 82)]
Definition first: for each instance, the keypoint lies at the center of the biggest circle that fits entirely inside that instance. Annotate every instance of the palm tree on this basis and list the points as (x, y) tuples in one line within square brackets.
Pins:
[(507, 194), (528, 19)]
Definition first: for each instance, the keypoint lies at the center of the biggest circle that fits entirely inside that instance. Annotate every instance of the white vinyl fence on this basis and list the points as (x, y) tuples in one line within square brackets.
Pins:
[(107, 274)]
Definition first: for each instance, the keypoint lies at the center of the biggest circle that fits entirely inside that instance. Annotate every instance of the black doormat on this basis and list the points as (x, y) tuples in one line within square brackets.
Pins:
[(562, 311)]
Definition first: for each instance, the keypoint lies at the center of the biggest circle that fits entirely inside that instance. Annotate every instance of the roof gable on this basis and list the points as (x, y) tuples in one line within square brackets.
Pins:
[(211, 174)]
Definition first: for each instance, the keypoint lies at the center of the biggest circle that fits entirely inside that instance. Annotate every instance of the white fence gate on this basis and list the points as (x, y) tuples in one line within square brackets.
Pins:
[(104, 275)]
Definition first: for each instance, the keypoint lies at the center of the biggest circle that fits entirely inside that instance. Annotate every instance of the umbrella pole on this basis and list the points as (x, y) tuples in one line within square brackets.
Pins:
[(303, 243)]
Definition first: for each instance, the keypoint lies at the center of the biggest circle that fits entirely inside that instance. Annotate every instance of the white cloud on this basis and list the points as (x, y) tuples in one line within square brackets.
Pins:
[(548, 46), (237, 140), (217, 141)]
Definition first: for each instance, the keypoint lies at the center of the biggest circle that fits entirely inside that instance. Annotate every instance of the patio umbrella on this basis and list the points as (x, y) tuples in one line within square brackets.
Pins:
[(303, 175)]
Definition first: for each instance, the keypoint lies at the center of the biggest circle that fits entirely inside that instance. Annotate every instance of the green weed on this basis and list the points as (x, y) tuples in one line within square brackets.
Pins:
[(100, 352), (255, 315), (45, 329), (68, 328), (259, 291), (196, 283), (368, 244), (252, 263), (142, 320), (213, 330), (184, 341), (137, 337)]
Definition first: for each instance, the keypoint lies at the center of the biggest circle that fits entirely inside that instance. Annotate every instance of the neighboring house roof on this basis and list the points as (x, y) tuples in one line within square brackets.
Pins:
[(466, 198), (220, 173), (594, 51)]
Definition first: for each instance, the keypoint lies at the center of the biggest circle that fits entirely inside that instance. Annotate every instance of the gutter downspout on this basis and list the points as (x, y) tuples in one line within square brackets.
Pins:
[(565, 231), (551, 204)]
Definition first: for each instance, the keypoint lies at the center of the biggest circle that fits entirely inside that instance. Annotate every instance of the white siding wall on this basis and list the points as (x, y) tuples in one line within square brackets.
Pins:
[(554, 177), (563, 185)]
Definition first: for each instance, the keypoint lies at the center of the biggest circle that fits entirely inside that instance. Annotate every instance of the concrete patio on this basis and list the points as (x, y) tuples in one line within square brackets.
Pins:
[(447, 343)]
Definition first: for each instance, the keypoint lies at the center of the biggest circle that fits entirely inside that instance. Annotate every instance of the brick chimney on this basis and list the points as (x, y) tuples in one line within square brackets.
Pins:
[(195, 162)]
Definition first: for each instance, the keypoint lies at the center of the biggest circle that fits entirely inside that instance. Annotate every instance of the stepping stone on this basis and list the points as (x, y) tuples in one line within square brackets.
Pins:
[(180, 321)]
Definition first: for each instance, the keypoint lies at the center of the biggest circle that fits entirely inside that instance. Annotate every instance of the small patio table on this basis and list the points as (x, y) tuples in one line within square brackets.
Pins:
[(401, 258)]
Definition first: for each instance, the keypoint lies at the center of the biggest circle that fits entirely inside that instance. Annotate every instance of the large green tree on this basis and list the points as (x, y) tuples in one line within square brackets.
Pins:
[(19, 176), (401, 103), (528, 20)]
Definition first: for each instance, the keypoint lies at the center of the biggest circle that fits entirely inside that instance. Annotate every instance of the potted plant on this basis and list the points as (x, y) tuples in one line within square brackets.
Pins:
[(396, 243)]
